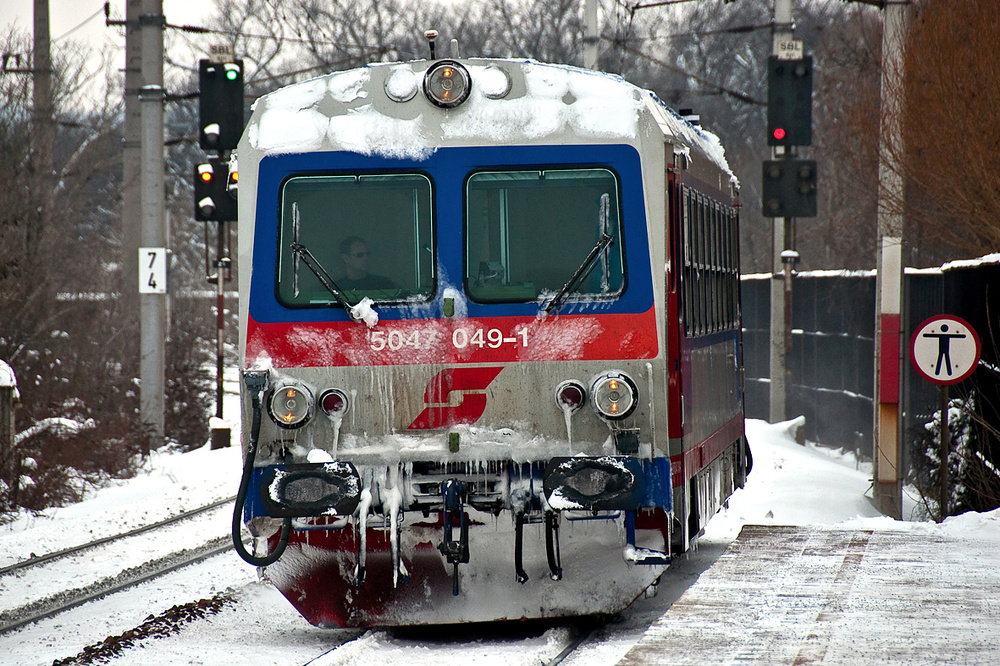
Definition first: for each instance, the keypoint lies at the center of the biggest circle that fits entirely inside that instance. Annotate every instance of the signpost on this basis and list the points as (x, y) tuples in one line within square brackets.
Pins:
[(152, 270), (945, 350)]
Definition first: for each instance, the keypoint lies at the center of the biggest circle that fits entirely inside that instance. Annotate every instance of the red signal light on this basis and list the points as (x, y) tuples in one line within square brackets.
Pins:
[(779, 133), (206, 176)]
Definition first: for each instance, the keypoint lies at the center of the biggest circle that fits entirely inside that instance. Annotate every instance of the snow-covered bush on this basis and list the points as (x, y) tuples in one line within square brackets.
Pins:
[(973, 477)]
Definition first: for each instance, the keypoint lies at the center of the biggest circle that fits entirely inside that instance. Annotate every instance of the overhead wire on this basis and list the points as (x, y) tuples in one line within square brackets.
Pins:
[(736, 94), (80, 25)]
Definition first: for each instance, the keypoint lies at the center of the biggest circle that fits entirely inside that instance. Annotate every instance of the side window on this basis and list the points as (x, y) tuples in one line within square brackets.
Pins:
[(687, 238), (373, 235), (528, 232), (710, 272)]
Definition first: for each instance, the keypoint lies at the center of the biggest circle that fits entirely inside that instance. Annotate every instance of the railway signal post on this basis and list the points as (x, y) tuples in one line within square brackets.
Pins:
[(220, 125), (789, 185)]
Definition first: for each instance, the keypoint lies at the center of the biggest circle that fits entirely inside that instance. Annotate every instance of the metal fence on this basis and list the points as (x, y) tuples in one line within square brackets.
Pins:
[(832, 359)]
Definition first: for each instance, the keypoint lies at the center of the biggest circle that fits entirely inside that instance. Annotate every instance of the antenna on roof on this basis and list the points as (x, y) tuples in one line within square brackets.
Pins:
[(431, 35)]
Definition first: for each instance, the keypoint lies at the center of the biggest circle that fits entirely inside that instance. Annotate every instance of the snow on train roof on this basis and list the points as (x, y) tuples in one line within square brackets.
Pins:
[(339, 111)]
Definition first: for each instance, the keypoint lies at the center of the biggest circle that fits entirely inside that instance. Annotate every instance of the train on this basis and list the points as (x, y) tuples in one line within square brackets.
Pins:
[(489, 337)]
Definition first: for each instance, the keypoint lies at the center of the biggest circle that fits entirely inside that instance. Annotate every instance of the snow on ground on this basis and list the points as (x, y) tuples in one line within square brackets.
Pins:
[(790, 485), (168, 484)]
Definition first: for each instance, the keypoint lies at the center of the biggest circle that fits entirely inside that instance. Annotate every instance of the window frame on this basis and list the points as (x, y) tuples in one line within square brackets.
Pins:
[(544, 295), (417, 298)]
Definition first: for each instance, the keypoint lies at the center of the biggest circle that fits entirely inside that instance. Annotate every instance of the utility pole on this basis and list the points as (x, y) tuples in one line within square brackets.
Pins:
[(153, 307), (888, 487), (780, 271), (591, 38), (131, 159), (43, 121)]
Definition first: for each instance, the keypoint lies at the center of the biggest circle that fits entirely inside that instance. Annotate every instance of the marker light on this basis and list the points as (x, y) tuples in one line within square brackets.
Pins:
[(570, 395), (291, 405), (447, 84), (614, 395), (334, 403)]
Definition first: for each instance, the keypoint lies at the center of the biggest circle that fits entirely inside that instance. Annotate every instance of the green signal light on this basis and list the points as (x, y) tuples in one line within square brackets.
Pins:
[(231, 75)]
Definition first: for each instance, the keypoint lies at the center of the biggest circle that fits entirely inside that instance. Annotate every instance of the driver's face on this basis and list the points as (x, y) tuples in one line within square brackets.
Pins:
[(357, 260)]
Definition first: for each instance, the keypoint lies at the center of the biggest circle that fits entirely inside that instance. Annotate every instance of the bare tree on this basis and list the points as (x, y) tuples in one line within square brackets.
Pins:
[(952, 163)]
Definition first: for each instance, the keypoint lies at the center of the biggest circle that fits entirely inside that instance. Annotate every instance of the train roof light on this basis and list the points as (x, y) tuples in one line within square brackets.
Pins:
[(447, 84), (291, 405), (494, 81)]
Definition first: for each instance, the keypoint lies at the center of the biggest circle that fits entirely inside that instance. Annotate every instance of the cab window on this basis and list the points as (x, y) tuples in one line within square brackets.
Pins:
[(527, 232), (372, 234)]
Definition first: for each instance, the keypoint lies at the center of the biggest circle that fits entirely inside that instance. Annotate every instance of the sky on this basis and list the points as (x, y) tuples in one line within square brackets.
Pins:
[(84, 19)]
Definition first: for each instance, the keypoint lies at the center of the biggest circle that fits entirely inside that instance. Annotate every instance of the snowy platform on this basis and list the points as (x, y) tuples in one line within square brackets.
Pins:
[(799, 595)]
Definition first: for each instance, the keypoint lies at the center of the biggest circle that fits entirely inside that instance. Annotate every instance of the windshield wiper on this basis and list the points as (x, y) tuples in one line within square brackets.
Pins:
[(604, 242), (303, 253)]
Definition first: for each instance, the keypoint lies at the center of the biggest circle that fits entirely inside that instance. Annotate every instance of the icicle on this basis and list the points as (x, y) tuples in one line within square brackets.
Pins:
[(393, 502), (337, 421), (363, 506), (567, 411)]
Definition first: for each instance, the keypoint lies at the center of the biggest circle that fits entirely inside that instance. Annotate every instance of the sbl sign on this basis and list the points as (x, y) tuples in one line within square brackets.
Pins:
[(945, 349)]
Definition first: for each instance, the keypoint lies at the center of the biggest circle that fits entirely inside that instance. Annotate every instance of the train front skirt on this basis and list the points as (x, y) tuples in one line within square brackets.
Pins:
[(334, 580)]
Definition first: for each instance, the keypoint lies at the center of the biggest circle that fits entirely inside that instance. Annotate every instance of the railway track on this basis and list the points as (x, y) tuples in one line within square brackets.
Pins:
[(66, 552), (53, 605), (579, 634), (44, 588), (523, 643)]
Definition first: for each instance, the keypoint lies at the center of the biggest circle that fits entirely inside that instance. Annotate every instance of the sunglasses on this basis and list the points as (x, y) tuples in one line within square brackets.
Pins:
[(360, 255)]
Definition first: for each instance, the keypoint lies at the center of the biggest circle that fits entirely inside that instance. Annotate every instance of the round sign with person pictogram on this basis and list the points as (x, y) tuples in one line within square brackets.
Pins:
[(945, 349)]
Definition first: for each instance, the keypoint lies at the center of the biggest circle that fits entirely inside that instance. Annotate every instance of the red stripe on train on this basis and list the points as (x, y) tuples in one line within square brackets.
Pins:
[(563, 337), (684, 466)]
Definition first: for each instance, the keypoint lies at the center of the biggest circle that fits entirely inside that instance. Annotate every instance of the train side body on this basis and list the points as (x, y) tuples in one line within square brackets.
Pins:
[(468, 375)]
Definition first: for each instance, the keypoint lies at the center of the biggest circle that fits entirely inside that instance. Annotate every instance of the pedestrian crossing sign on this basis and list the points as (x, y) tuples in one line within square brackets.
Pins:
[(945, 349)]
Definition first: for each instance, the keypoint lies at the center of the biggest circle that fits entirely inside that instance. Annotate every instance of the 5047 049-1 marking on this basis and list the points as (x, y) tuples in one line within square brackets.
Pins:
[(492, 338), (461, 338)]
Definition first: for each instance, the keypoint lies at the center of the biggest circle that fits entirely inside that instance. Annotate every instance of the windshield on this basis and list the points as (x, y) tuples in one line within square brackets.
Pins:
[(345, 223), (528, 232)]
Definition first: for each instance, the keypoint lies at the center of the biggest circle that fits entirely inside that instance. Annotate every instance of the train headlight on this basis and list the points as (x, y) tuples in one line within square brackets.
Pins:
[(291, 405), (614, 395), (447, 84), (334, 403)]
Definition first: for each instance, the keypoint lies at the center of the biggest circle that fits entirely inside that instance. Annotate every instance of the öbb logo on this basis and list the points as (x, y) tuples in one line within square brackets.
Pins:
[(438, 413)]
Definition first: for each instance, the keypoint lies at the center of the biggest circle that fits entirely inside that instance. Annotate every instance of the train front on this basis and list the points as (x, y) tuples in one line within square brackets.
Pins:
[(453, 380)]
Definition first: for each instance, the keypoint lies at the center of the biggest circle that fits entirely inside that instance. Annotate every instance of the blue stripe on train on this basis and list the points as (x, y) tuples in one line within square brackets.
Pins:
[(448, 169)]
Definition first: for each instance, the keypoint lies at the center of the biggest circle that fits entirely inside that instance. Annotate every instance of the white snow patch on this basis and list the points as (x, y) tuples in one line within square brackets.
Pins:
[(7, 377), (364, 311), (790, 484)]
